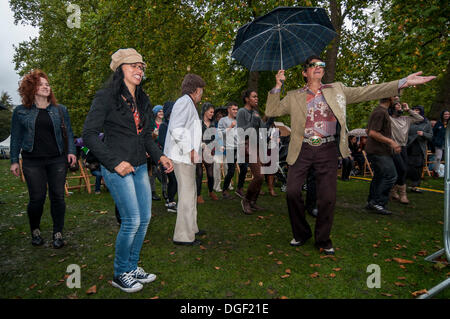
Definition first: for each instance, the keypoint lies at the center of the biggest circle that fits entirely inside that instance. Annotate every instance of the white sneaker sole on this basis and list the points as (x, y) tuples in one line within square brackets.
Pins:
[(151, 278), (129, 290)]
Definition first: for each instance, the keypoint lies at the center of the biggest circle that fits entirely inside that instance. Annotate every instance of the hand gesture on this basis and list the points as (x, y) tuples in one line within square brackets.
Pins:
[(420, 133), (15, 169), (124, 168), (280, 79), (167, 163), (72, 159), (415, 79), (405, 107), (397, 148)]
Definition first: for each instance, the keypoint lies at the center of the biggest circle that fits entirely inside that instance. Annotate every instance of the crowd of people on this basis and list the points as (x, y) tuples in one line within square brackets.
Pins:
[(133, 144)]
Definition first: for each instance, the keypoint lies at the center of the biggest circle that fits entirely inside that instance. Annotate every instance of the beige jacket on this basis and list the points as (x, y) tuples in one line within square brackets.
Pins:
[(337, 97)]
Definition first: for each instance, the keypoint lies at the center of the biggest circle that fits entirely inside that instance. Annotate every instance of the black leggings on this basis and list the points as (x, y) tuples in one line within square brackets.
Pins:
[(209, 174), (243, 168), (171, 186), (40, 172), (401, 165)]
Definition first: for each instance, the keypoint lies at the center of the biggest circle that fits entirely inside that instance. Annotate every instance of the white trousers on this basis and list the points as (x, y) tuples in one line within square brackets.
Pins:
[(186, 224)]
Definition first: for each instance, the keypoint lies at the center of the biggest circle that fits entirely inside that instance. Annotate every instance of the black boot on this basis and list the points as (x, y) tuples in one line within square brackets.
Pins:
[(155, 196)]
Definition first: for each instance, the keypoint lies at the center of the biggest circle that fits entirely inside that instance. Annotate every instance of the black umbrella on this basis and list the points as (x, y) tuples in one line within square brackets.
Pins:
[(283, 38)]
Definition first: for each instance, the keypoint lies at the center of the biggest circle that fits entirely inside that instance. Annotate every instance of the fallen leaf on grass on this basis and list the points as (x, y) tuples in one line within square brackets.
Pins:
[(402, 266), (337, 269), (401, 278), (172, 253), (217, 268), (261, 217), (260, 283), (72, 296), (422, 253), (156, 297), (386, 294), (419, 292), (403, 261), (33, 286), (388, 260), (288, 271), (279, 262), (314, 275), (202, 247), (92, 290), (101, 277), (332, 275), (270, 252), (285, 276), (399, 284), (247, 282), (270, 291)]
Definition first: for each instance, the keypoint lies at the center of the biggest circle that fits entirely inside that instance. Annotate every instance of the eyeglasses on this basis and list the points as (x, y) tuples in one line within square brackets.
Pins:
[(139, 66), (316, 64)]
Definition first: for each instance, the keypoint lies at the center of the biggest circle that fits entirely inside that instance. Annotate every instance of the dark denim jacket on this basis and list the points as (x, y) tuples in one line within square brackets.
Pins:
[(23, 127)]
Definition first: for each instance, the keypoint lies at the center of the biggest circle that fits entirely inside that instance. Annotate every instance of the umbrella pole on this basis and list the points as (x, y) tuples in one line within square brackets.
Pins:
[(281, 62)]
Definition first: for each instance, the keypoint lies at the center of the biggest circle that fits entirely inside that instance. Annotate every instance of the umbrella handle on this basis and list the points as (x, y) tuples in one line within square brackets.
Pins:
[(282, 86)]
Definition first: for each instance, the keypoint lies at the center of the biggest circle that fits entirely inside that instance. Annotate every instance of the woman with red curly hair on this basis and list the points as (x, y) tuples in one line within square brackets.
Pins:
[(41, 132)]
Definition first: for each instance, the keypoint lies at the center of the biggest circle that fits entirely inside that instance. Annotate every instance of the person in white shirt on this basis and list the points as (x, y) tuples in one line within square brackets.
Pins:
[(182, 146), (227, 127)]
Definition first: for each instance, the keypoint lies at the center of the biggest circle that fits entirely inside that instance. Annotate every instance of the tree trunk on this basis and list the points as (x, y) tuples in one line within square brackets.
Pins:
[(253, 78), (442, 100), (331, 55)]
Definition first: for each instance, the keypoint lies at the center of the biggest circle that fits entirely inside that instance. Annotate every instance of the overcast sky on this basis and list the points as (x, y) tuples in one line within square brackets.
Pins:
[(11, 34)]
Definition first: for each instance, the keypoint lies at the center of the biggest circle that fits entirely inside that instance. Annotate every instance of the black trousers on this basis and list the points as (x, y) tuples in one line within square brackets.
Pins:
[(209, 174), (243, 167), (230, 171), (401, 165), (384, 177), (171, 186), (40, 172), (323, 159)]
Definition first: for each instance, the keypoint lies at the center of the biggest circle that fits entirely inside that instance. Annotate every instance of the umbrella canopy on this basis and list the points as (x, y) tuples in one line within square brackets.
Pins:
[(283, 38), (358, 132)]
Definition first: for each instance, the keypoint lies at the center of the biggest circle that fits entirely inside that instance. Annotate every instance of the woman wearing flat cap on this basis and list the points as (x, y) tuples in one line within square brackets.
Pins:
[(122, 111)]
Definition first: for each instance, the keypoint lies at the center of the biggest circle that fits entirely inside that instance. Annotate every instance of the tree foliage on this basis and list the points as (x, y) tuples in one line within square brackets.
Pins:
[(181, 36)]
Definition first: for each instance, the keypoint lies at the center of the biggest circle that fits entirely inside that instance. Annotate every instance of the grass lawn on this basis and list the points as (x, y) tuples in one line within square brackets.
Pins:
[(241, 256)]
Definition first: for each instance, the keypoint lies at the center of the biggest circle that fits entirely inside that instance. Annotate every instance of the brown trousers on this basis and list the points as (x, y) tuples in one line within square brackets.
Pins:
[(324, 160)]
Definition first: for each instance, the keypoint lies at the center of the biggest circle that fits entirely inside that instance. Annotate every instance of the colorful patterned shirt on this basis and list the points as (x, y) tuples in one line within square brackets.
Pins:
[(320, 120)]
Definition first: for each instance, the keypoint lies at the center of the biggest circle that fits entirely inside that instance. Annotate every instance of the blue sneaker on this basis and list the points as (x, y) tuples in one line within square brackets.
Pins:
[(127, 283), (141, 276)]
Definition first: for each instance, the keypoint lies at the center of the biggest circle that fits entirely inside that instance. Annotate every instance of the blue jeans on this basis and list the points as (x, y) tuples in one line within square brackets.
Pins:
[(132, 195), (98, 179), (384, 178)]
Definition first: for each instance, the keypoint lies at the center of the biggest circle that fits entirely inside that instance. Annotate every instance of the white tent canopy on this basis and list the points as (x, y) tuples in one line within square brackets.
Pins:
[(5, 143)]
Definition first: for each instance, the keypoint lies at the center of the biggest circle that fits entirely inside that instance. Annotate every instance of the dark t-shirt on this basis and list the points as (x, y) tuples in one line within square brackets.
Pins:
[(44, 137), (379, 122)]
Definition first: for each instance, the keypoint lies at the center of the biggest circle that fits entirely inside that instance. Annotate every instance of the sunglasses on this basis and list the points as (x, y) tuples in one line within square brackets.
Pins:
[(316, 64)]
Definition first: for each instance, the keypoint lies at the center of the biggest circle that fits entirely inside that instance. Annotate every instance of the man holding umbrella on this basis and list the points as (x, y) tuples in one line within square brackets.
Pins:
[(318, 123)]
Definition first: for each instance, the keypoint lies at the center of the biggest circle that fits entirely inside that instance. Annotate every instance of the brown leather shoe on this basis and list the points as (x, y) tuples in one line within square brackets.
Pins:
[(246, 208), (213, 196), (200, 200)]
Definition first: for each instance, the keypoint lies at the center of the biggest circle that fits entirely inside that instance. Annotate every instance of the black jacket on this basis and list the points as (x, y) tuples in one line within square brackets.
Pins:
[(121, 142)]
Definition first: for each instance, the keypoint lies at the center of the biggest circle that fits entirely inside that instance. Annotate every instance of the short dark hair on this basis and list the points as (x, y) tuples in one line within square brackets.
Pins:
[(230, 104), (191, 82), (246, 94), (308, 61)]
